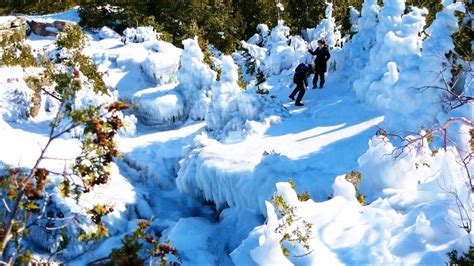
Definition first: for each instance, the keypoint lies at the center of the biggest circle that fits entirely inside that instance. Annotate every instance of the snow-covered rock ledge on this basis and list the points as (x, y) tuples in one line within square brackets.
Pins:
[(242, 178)]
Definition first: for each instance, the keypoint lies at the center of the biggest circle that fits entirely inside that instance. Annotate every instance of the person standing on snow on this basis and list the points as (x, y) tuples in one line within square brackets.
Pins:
[(322, 56), (299, 78)]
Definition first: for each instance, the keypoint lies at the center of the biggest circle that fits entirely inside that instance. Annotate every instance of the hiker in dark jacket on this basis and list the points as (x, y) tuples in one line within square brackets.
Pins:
[(300, 78), (322, 56)]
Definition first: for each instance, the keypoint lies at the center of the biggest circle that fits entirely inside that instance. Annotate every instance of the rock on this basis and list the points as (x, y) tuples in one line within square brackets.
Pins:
[(42, 28)]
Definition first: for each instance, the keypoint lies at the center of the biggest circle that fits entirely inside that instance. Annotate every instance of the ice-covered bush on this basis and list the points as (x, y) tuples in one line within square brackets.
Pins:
[(355, 55), (326, 30), (261, 36), (399, 64), (279, 52), (15, 51), (231, 106), (72, 38), (195, 79)]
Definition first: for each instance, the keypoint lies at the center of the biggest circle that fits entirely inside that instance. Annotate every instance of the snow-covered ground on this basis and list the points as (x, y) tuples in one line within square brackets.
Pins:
[(205, 157)]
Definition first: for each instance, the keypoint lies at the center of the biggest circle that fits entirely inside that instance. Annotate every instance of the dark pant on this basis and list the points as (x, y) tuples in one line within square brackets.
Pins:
[(318, 73), (299, 88)]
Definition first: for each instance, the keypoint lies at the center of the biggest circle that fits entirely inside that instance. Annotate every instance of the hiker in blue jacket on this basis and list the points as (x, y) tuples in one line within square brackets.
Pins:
[(322, 56), (299, 78)]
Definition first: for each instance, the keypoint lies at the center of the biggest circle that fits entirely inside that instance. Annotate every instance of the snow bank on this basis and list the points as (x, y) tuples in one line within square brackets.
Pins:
[(71, 15), (415, 230), (7, 19)]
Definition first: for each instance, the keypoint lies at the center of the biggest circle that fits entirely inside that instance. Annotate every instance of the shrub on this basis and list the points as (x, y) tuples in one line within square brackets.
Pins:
[(72, 38), (355, 178), (464, 36), (466, 259), (26, 189), (14, 51), (293, 229), (140, 246)]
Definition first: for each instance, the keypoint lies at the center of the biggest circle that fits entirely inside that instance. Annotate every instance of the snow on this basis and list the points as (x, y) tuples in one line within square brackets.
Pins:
[(108, 33), (162, 66), (354, 15), (232, 108), (195, 79), (194, 242), (204, 156), (15, 96), (139, 34), (71, 15), (7, 19), (325, 30), (160, 105)]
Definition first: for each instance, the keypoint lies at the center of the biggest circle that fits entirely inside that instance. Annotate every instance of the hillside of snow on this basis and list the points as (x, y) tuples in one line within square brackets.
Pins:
[(204, 157)]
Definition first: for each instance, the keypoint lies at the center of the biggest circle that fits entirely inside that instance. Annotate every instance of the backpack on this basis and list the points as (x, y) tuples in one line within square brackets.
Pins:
[(300, 73)]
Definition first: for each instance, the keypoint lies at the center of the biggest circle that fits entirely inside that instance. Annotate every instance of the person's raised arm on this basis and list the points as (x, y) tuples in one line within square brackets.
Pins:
[(310, 49)]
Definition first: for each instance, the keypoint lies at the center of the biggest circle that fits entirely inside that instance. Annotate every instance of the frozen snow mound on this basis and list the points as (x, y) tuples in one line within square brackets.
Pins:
[(108, 33), (15, 95), (162, 66), (159, 105)]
